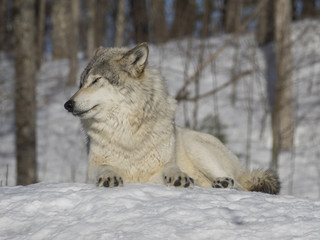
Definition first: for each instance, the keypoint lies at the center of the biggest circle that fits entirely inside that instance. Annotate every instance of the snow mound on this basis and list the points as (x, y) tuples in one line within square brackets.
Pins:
[(148, 211)]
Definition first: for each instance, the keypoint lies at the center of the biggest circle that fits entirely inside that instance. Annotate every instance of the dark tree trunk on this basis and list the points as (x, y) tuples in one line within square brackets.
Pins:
[(41, 18), (73, 37), (206, 18), (158, 19), (139, 16), (232, 15), (25, 95), (60, 21), (3, 14), (120, 23), (308, 9), (91, 28), (265, 28), (101, 23), (184, 18)]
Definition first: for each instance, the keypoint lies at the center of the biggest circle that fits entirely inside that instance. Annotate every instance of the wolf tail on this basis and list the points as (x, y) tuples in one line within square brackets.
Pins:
[(258, 180)]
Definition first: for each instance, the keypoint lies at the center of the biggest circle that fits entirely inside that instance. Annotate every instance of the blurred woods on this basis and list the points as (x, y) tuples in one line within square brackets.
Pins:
[(36, 31)]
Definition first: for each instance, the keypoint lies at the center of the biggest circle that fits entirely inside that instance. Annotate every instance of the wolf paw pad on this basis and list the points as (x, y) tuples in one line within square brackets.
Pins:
[(114, 181), (180, 180), (223, 182)]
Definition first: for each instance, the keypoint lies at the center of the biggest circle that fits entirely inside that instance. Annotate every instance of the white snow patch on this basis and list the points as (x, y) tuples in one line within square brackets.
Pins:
[(148, 211)]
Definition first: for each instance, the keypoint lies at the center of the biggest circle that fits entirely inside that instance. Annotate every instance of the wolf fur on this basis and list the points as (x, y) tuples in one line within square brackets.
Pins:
[(128, 116)]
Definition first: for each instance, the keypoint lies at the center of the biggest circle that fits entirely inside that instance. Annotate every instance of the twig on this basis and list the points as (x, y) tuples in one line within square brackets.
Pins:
[(234, 79), (220, 50), (7, 175)]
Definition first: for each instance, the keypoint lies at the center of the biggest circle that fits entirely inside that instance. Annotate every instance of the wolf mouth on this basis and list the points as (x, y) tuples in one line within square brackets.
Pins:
[(80, 114)]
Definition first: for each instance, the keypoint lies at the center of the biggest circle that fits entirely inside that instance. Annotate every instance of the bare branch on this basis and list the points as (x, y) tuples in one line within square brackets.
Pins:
[(214, 91), (254, 14)]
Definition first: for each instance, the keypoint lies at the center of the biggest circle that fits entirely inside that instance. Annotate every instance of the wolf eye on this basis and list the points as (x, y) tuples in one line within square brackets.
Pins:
[(96, 80)]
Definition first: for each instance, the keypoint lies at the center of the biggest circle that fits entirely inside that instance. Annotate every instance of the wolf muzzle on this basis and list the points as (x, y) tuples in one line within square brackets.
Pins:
[(69, 105)]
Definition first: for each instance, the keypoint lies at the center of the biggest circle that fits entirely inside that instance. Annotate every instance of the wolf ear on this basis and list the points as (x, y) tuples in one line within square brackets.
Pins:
[(99, 51), (135, 60)]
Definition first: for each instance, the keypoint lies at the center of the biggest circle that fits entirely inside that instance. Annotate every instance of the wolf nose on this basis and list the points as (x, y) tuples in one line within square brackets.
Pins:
[(69, 105)]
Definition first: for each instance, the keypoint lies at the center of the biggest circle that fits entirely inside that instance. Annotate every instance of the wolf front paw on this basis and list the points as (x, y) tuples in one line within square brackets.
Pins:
[(110, 181), (223, 182), (179, 180)]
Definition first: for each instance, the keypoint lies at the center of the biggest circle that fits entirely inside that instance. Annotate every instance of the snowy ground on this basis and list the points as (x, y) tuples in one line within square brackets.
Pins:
[(146, 211), (63, 207)]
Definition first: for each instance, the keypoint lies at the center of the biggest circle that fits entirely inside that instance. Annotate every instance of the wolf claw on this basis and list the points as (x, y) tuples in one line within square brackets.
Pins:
[(223, 182), (110, 181), (180, 180)]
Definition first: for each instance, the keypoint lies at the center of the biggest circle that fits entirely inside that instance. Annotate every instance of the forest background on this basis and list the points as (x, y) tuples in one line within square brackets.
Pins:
[(34, 33)]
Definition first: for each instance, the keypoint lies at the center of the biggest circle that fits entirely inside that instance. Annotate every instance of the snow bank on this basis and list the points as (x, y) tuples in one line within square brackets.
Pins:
[(147, 211)]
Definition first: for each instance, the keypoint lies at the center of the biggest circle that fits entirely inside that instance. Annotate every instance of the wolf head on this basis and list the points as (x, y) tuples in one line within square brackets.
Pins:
[(118, 83)]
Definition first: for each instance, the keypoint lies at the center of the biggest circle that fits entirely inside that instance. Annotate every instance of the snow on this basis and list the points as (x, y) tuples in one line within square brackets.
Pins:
[(62, 206), (148, 211)]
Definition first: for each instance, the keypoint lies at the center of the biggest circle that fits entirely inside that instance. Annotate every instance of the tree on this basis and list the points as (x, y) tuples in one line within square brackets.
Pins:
[(65, 34), (140, 20), (97, 25), (90, 31), (25, 95), (208, 7), (3, 14), (294, 10), (282, 111), (101, 22), (276, 45), (73, 36), (60, 21), (265, 29), (120, 23), (40, 29), (184, 18), (158, 20), (308, 9), (232, 15)]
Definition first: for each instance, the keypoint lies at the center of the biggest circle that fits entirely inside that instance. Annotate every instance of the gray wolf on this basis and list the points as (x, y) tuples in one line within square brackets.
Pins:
[(128, 116)]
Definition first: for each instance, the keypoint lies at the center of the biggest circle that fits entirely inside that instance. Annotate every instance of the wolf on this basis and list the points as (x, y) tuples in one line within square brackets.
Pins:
[(129, 118)]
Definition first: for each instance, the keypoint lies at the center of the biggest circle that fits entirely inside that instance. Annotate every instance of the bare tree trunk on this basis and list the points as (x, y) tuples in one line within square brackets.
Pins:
[(3, 14), (265, 29), (308, 9), (83, 19), (158, 20), (101, 22), (206, 17), (60, 21), (139, 16), (73, 43), (120, 23), (294, 10), (41, 18), (233, 15), (91, 28), (282, 112), (25, 95), (184, 18)]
